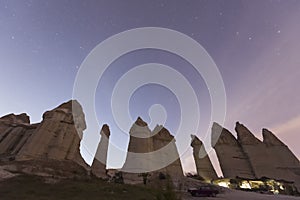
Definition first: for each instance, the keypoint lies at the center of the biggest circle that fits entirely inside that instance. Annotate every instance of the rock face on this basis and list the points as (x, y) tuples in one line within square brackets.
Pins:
[(286, 165), (270, 158), (148, 151), (231, 156), (140, 142), (52, 146), (256, 152), (99, 165), (15, 130), (57, 137), (164, 142), (204, 166), (12, 119), (248, 157)]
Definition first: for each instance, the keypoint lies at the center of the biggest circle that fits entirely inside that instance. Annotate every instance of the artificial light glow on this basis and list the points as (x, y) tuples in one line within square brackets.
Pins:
[(245, 185), (223, 184), (281, 187)]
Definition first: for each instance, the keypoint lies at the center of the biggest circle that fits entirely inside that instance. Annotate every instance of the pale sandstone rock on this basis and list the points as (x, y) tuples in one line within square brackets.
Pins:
[(244, 136), (14, 132), (204, 166), (57, 139), (231, 156), (16, 119), (270, 139), (57, 136), (286, 165), (98, 168), (12, 140), (153, 153), (164, 142), (255, 151), (10, 120), (271, 158), (140, 144)]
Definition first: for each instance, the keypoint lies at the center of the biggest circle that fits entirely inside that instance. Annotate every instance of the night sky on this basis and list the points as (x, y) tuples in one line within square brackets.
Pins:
[(254, 43)]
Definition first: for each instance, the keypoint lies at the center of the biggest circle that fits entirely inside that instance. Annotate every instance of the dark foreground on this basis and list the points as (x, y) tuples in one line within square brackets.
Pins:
[(33, 187)]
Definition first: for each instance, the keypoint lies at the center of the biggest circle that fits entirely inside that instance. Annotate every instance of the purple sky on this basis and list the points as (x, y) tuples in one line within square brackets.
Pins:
[(254, 43)]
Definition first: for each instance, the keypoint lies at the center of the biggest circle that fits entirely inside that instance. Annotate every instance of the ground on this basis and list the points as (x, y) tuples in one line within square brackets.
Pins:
[(241, 195), (34, 187), (27, 187)]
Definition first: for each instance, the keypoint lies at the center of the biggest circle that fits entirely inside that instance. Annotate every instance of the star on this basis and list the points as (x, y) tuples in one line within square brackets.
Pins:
[(279, 31)]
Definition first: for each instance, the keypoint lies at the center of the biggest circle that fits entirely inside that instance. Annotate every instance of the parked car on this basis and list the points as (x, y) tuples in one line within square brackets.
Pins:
[(203, 191)]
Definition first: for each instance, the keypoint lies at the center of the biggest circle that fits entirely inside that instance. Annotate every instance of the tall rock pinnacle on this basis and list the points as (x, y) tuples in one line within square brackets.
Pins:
[(204, 166), (100, 160)]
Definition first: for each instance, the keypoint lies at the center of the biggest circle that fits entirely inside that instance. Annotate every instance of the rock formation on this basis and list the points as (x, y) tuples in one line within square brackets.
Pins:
[(10, 119), (270, 158), (255, 151), (56, 141), (140, 143), (15, 130), (49, 148), (52, 146), (99, 164), (248, 157), (152, 153), (204, 166), (231, 156), (286, 165), (57, 136), (164, 142)]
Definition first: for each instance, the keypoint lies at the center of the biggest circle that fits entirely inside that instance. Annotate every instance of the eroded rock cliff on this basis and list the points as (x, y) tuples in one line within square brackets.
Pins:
[(57, 136), (34, 148)]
